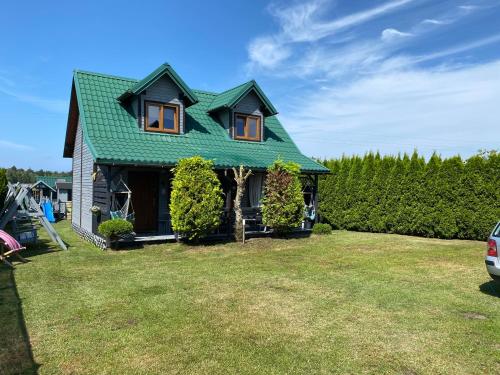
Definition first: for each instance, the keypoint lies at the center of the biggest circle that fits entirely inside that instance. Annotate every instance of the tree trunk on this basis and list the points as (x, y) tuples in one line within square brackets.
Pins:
[(240, 177)]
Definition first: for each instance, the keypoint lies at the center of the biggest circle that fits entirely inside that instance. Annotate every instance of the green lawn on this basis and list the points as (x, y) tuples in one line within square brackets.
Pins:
[(343, 303)]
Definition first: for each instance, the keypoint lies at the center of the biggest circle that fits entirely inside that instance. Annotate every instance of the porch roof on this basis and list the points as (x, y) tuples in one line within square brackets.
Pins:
[(113, 135)]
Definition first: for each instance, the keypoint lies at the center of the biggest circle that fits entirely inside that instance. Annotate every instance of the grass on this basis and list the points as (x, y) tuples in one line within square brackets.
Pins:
[(343, 303)]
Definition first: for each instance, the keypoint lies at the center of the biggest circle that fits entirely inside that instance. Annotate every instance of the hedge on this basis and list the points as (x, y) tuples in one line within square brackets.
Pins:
[(443, 198)]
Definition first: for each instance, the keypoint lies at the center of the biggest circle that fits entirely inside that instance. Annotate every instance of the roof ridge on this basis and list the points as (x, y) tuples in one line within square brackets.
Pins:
[(206, 92), (237, 86), (104, 75)]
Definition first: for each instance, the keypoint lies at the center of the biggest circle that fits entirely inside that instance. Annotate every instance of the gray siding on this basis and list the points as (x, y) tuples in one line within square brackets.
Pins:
[(77, 171), (101, 196), (164, 91), (87, 187), (83, 165), (250, 104)]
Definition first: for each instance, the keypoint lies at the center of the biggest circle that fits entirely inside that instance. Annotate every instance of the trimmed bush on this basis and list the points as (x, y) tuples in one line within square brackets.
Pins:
[(322, 228), (3, 186), (114, 228), (283, 202), (443, 198), (196, 201)]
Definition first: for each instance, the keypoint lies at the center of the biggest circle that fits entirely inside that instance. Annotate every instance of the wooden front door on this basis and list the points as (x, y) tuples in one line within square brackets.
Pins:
[(144, 186)]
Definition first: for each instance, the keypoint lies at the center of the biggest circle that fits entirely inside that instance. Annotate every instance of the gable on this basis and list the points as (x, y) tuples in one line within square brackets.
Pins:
[(250, 104), (164, 70), (232, 97)]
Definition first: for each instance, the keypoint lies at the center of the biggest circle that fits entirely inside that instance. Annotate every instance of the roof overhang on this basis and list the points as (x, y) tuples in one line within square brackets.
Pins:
[(43, 183), (64, 185), (72, 124)]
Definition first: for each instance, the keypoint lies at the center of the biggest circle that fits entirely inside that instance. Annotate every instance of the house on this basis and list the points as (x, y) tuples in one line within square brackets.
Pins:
[(56, 189), (126, 134)]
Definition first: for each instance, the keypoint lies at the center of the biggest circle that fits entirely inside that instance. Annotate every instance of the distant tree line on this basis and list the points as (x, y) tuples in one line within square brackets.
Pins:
[(443, 198), (29, 175)]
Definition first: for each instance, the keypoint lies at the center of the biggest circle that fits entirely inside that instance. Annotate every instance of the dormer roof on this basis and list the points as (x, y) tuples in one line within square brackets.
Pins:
[(163, 70), (231, 97)]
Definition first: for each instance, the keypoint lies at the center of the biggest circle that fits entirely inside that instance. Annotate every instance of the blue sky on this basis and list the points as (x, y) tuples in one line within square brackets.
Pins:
[(346, 76)]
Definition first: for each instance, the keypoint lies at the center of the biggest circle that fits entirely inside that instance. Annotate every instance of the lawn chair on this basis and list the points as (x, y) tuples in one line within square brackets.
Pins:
[(8, 247)]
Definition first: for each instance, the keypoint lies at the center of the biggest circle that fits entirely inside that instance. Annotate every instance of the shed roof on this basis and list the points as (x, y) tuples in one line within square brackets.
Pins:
[(50, 181)]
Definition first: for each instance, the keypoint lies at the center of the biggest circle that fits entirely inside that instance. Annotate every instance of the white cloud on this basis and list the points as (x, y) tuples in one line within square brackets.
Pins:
[(468, 7), (448, 110), (433, 21), (267, 52), (389, 35), (460, 48), (51, 105), (14, 146), (300, 23)]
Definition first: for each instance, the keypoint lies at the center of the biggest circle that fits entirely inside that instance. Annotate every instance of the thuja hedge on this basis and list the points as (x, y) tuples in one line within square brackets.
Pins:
[(443, 198)]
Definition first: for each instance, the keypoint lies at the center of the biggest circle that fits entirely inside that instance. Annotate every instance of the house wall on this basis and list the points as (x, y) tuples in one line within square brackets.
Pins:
[(77, 172), (165, 91), (101, 196), (83, 167)]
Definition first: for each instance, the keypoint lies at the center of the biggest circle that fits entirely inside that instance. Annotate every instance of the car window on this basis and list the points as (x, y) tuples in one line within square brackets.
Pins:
[(496, 232)]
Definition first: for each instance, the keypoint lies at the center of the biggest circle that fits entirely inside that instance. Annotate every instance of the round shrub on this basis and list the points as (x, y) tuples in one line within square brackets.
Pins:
[(114, 228), (196, 201), (322, 228), (283, 202)]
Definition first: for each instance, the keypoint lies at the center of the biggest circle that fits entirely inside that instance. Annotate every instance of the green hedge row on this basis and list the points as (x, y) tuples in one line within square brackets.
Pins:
[(444, 198)]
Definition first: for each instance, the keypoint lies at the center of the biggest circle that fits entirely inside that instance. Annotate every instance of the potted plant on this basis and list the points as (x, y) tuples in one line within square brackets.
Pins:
[(113, 229)]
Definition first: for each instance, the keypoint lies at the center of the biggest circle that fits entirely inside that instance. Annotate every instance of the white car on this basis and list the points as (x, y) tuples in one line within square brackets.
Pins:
[(492, 258)]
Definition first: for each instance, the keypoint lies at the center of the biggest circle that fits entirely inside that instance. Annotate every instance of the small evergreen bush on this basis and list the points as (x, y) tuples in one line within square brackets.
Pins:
[(196, 201), (283, 202), (114, 228), (322, 228)]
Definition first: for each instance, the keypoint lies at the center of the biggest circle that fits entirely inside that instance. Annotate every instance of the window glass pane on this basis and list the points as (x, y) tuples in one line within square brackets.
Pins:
[(240, 127), (252, 127), (169, 118), (153, 116)]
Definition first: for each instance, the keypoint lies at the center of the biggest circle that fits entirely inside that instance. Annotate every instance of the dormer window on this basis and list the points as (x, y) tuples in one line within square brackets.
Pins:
[(247, 127), (161, 117)]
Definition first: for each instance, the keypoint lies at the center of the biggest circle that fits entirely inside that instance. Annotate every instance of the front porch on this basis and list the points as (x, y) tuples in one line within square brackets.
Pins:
[(150, 190)]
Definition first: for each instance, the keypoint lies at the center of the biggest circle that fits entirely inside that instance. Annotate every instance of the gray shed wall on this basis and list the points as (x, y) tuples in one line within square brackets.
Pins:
[(83, 167)]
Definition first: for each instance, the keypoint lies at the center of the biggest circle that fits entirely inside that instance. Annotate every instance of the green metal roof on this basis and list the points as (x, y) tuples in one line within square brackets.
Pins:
[(51, 180), (231, 97), (164, 69), (113, 135)]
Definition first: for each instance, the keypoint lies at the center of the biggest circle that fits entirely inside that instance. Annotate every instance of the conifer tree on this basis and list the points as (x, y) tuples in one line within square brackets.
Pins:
[(352, 193), (362, 214), (409, 214), (378, 195), (327, 186), (394, 192), (448, 206), (341, 199), (428, 198)]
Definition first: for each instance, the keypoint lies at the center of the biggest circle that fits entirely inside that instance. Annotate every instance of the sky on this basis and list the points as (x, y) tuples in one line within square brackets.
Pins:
[(347, 77)]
